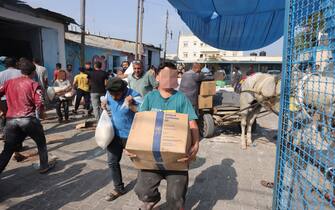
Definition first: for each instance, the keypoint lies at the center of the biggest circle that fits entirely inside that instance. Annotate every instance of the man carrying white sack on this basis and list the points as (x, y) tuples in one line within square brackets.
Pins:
[(166, 98), (121, 103)]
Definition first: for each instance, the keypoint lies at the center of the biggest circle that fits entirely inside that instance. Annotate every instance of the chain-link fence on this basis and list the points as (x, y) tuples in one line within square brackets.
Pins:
[(305, 171)]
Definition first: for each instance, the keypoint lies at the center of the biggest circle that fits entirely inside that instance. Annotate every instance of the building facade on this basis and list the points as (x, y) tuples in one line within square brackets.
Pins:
[(33, 33), (192, 48), (110, 51)]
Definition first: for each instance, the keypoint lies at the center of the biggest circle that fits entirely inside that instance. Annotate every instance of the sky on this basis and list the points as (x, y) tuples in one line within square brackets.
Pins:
[(117, 19)]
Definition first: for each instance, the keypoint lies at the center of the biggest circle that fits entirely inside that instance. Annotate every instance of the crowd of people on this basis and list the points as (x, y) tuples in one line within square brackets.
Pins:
[(23, 88)]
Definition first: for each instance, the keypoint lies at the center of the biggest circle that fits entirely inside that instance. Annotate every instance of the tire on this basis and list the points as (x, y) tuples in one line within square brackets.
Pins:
[(207, 126)]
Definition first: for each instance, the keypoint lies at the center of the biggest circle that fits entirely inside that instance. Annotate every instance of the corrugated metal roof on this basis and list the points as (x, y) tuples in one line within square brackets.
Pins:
[(105, 42), (20, 6)]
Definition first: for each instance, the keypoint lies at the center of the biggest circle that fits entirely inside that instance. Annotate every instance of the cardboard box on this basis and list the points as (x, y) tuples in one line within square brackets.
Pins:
[(208, 88), (205, 102), (159, 139)]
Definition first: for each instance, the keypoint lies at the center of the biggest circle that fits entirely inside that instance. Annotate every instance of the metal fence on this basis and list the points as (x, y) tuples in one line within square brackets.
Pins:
[(305, 168)]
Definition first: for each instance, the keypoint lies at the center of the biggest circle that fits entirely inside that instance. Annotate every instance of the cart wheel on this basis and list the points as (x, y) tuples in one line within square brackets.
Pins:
[(207, 126)]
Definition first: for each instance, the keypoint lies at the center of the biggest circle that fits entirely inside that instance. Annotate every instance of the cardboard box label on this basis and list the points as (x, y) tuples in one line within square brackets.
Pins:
[(156, 146)]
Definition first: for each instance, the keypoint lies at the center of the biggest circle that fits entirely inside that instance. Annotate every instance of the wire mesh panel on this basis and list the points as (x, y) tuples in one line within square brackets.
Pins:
[(305, 168)]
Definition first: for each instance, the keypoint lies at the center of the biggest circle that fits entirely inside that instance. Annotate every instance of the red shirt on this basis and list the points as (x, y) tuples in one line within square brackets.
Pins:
[(56, 74), (24, 96)]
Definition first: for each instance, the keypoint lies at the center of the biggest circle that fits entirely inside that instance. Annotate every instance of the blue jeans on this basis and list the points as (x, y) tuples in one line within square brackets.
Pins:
[(95, 98), (16, 130), (114, 155)]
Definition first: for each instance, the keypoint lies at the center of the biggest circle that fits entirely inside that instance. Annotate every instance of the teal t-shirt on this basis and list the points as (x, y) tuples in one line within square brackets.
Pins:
[(178, 103)]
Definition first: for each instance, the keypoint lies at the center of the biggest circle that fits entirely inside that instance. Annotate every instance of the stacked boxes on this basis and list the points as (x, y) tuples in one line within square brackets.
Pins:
[(207, 91)]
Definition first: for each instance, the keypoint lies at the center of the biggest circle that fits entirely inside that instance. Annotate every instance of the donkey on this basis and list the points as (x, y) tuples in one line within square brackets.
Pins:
[(257, 91)]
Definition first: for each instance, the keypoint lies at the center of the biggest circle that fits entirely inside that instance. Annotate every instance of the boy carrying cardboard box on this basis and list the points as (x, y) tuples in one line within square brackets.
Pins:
[(168, 100)]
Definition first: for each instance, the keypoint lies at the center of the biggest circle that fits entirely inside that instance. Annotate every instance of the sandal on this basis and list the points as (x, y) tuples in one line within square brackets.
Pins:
[(19, 157), (114, 195), (52, 164), (267, 184)]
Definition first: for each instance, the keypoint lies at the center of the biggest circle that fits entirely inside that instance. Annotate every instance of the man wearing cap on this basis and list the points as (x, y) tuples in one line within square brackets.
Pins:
[(121, 103), (167, 99)]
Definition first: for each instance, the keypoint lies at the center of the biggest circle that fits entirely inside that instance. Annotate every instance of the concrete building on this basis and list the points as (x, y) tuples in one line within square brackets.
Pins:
[(245, 63), (28, 32), (110, 51), (192, 48)]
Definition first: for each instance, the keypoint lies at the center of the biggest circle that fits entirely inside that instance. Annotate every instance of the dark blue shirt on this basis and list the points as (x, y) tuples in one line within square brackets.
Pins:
[(122, 117)]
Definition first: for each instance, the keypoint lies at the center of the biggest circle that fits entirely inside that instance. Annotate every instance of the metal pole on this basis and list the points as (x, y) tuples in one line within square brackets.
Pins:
[(281, 163), (137, 32), (178, 44), (141, 30), (82, 26), (166, 33)]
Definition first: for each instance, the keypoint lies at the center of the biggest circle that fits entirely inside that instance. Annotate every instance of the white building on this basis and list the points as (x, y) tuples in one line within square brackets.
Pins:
[(192, 48)]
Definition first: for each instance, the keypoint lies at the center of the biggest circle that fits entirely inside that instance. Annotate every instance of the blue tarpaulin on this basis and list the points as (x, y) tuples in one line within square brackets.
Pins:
[(234, 24)]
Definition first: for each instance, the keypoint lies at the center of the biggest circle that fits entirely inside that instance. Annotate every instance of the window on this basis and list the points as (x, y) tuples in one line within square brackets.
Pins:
[(201, 44), (194, 55), (185, 44), (185, 55), (201, 55), (195, 43)]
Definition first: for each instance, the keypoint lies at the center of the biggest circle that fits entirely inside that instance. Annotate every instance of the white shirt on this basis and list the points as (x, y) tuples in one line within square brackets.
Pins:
[(42, 75)]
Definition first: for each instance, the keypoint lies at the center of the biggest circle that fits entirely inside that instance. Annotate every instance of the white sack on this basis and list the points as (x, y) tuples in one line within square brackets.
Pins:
[(104, 133)]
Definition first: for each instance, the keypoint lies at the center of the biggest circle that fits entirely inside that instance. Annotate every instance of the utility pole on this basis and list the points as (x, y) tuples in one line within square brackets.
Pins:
[(82, 27), (166, 33), (178, 44), (141, 31), (137, 27)]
